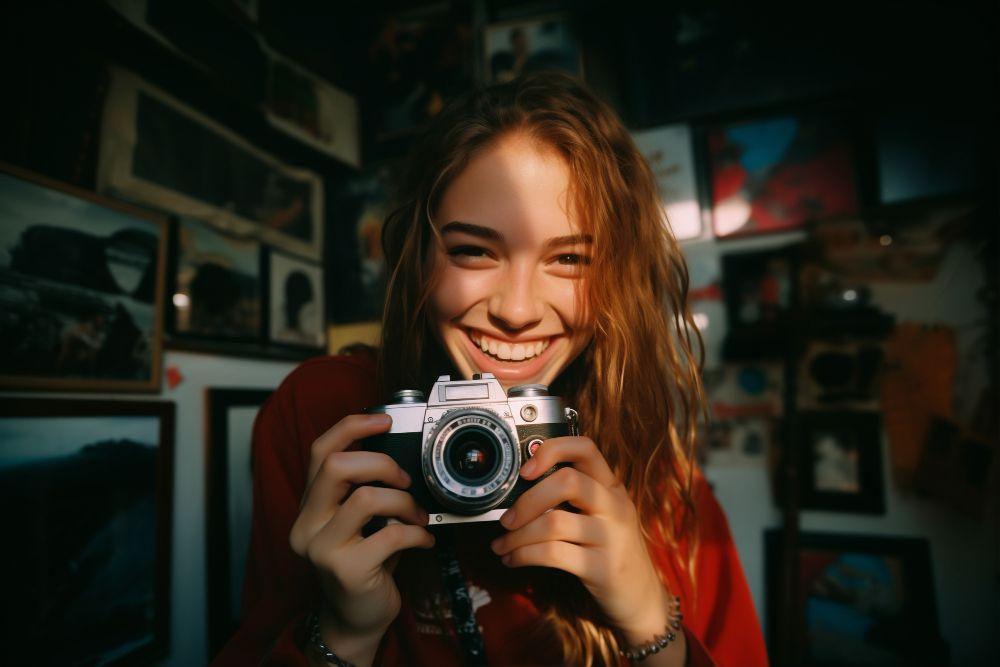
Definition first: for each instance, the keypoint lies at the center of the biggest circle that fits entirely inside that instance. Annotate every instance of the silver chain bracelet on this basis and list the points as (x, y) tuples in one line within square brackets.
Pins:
[(322, 649), (659, 642)]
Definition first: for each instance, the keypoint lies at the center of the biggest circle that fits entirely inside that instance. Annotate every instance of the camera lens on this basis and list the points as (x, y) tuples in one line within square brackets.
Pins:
[(472, 455)]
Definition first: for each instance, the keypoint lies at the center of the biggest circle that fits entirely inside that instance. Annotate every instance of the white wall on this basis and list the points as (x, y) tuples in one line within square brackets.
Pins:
[(188, 600), (964, 551)]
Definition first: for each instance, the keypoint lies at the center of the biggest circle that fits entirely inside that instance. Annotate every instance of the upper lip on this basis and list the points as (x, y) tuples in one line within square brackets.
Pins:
[(505, 339)]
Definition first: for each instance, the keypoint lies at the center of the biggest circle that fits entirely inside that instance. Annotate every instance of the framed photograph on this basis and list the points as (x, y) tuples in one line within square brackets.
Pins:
[(777, 174), (858, 600), (670, 153), (841, 462), (149, 142), (758, 293), (296, 306), (86, 502), (218, 291), (312, 110), (527, 45), (81, 288), (228, 435)]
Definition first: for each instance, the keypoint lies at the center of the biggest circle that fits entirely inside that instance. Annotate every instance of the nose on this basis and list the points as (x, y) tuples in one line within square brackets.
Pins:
[(516, 303)]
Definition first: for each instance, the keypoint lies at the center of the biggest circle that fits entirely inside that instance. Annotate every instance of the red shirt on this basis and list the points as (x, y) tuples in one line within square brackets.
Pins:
[(280, 589)]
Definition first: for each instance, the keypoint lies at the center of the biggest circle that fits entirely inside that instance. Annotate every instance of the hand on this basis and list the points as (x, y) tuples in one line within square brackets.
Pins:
[(355, 572), (603, 545)]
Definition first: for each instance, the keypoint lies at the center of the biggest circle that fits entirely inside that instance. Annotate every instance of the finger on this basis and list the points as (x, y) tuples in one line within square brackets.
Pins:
[(391, 540), (371, 501), (580, 451), (342, 434), (557, 525), (571, 558), (341, 471), (565, 484)]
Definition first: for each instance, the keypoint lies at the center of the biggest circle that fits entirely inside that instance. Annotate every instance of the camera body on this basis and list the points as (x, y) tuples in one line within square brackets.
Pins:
[(464, 447)]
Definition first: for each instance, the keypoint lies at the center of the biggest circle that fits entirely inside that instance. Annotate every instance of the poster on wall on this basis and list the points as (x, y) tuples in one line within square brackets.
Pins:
[(81, 288), (86, 502), (520, 46), (312, 110), (777, 174), (158, 151), (218, 292), (670, 155), (297, 305)]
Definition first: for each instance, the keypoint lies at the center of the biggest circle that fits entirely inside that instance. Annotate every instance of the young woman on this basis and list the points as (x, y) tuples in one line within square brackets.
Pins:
[(529, 243)]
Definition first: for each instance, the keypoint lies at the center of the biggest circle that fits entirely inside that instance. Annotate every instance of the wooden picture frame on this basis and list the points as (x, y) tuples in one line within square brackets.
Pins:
[(87, 493), (83, 288), (857, 599), (230, 415)]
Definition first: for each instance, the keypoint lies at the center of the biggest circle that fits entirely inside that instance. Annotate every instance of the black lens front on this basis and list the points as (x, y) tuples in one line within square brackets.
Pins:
[(473, 455)]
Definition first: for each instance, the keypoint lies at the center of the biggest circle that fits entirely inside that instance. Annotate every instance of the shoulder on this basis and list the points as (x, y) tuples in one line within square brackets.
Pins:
[(321, 391)]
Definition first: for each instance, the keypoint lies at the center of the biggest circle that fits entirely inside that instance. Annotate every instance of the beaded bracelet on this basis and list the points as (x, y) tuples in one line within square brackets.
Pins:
[(322, 649), (659, 642)]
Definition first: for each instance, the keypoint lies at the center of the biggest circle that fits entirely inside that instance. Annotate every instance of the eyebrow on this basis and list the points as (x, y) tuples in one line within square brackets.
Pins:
[(490, 234)]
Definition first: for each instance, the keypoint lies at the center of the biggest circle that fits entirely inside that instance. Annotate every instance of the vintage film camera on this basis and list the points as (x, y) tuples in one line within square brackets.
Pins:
[(464, 447)]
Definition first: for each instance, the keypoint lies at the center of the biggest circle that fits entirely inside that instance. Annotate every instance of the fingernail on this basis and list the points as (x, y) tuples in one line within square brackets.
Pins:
[(380, 418), (528, 468), (508, 518), (505, 559), (406, 477)]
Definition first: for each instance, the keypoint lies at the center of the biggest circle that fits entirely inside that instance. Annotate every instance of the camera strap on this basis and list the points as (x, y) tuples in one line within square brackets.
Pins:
[(461, 602)]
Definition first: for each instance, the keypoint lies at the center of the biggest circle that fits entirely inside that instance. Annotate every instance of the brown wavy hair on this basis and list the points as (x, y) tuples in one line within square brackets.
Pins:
[(637, 385)]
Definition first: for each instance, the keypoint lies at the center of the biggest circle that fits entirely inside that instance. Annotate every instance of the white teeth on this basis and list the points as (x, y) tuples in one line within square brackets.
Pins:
[(508, 351)]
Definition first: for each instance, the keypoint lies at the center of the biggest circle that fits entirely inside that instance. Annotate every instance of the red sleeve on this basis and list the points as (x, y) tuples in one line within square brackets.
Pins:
[(279, 588), (719, 614)]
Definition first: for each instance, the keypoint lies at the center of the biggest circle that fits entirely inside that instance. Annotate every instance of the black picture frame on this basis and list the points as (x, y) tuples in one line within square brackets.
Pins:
[(857, 599), (227, 518), (841, 461), (88, 522), (759, 291)]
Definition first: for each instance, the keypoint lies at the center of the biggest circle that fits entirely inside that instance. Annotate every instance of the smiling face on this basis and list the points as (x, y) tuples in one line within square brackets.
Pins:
[(512, 263)]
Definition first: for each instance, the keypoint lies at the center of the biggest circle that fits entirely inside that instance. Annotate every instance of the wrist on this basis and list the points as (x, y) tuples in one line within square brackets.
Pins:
[(651, 620), (350, 647)]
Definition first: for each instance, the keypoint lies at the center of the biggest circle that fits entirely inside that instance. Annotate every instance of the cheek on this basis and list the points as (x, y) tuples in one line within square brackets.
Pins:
[(457, 291), (570, 301)]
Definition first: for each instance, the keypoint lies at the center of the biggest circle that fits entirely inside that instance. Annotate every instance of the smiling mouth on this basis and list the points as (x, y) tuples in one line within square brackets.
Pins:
[(505, 351)]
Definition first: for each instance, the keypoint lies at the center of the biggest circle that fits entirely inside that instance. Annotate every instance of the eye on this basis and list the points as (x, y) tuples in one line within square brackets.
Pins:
[(570, 259), (466, 253)]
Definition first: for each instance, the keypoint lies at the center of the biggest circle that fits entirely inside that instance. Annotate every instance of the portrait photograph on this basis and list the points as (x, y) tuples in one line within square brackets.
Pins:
[(516, 47), (86, 502), (81, 288), (219, 290), (296, 302), (777, 174)]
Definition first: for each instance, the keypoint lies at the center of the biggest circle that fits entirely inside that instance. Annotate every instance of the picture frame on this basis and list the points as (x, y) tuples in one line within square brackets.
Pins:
[(83, 293), (217, 286), (87, 499), (230, 415), (669, 150), (518, 46), (841, 468), (296, 305), (148, 140), (858, 600), (759, 290), (776, 174)]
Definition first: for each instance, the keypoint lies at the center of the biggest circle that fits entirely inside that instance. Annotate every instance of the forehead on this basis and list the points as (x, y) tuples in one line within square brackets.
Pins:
[(516, 186)]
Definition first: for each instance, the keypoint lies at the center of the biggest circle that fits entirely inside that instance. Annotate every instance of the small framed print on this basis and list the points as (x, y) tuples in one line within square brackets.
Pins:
[(856, 600), (218, 290), (527, 45), (758, 292), (841, 462), (296, 312), (81, 288), (86, 504), (228, 436)]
